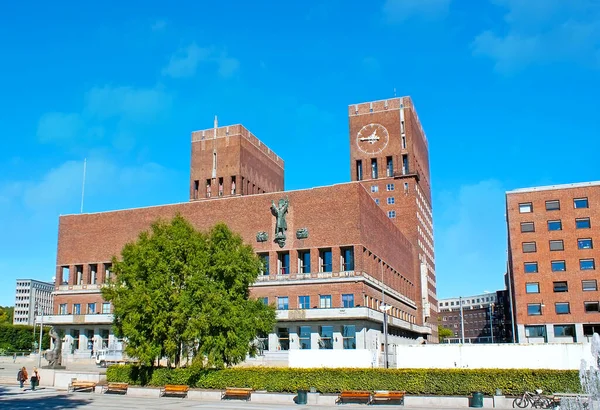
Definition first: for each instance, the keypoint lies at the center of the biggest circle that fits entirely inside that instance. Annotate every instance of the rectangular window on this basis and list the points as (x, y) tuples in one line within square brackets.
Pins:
[(374, 188), (389, 166), (589, 285), (377, 201), (77, 309), (196, 188), (525, 208), (534, 309), (264, 257), (265, 301), (304, 337), (584, 243), (91, 308), (553, 205), (557, 245), (391, 214), (233, 191), (282, 303), (405, 168), (79, 270), (349, 336), (591, 307), (560, 287), (348, 301), (107, 272), (403, 142), (221, 186), (587, 264), (374, 173), (283, 334), (325, 260), (529, 247), (283, 263), (389, 187), (325, 301), (304, 261), (531, 267), (527, 227), (359, 170), (564, 330), (326, 337), (582, 223), (106, 307), (558, 266), (580, 203), (562, 308), (208, 188), (391, 200), (304, 302), (555, 225), (535, 331), (62, 309), (93, 273), (532, 287), (347, 259)]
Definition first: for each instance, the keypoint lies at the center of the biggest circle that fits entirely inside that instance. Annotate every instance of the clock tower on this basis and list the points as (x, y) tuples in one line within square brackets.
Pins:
[(389, 155)]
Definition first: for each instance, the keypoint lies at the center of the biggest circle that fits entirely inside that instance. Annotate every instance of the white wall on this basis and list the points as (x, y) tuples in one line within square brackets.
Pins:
[(498, 356), (359, 358)]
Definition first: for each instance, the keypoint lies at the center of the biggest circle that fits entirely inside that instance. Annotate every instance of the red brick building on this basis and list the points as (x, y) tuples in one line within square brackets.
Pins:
[(552, 231), (340, 256)]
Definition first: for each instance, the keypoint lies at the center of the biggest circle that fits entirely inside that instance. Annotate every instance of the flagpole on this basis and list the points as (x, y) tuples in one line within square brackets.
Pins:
[(83, 183)]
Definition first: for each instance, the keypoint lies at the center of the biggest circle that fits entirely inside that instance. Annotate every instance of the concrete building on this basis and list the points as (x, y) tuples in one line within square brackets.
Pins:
[(552, 261), (477, 314), (30, 294), (341, 255)]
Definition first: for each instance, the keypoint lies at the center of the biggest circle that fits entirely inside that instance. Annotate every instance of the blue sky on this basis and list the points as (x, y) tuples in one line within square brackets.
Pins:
[(506, 91)]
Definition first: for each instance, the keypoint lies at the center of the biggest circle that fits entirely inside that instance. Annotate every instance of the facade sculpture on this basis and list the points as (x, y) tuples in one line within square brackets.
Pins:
[(280, 211)]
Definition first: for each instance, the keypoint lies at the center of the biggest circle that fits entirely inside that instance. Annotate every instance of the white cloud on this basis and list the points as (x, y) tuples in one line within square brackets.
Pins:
[(186, 61), (543, 31), (396, 11), (471, 238)]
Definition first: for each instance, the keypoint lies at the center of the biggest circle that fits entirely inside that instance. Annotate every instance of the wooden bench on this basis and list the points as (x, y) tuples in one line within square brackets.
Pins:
[(388, 396), (115, 388), (175, 390), (237, 393), (81, 386), (354, 396)]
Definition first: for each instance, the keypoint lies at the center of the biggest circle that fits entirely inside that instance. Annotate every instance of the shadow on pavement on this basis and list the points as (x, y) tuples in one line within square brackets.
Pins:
[(10, 399)]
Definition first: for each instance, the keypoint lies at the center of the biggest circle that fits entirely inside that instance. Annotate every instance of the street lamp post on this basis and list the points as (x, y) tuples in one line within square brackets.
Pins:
[(35, 312), (41, 332), (462, 321), (384, 308), (492, 321)]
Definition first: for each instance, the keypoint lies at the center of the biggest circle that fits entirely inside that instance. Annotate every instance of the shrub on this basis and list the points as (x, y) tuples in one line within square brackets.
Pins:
[(447, 382)]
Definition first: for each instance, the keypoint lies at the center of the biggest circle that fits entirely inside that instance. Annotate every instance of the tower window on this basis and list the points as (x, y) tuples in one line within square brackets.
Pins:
[(390, 166), (403, 142), (359, 170), (208, 188), (233, 185), (220, 186), (405, 164), (196, 188), (374, 173)]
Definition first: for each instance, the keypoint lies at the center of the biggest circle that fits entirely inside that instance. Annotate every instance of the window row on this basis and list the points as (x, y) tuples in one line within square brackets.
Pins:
[(587, 285), (562, 308), (303, 262), (557, 245), (560, 265), (556, 225), (325, 302), (553, 205), (373, 164), (85, 274), (325, 339), (90, 309), (559, 330)]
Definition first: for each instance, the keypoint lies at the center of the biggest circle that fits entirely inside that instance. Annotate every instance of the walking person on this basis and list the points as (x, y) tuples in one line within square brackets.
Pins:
[(35, 378), (14, 357), (22, 376)]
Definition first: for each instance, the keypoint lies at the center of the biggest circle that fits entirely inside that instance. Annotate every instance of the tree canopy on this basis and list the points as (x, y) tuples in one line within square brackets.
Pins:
[(178, 291), (6, 314), (444, 333)]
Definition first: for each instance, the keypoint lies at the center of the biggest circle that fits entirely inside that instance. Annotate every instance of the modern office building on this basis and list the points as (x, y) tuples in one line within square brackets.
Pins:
[(552, 261), (485, 318), (31, 295), (332, 255)]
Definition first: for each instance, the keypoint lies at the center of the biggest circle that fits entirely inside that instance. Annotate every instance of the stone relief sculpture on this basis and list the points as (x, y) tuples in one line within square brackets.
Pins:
[(280, 211), (262, 237), (302, 233)]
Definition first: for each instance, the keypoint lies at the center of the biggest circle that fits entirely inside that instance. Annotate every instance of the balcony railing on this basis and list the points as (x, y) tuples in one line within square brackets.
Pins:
[(97, 318)]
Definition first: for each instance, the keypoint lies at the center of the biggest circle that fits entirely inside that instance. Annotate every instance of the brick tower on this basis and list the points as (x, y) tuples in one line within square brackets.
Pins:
[(231, 161), (389, 154)]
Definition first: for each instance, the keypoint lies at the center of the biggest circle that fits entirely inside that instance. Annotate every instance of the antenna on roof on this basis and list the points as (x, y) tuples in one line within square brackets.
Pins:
[(394, 92)]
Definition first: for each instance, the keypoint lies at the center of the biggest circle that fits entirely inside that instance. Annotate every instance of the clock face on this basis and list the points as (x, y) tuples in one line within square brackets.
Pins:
[(372, 138)]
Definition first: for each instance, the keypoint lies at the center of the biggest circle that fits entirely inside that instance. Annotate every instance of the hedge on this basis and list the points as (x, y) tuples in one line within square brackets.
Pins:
[(446, 382)]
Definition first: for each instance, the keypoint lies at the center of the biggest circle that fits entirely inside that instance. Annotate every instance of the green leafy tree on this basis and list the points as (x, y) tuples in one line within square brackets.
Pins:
[(6, 314), (178, 291), (444, 333)]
